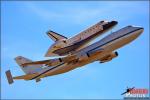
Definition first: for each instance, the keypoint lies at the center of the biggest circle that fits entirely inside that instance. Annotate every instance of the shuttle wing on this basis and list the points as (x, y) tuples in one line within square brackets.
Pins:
[(65, 50)]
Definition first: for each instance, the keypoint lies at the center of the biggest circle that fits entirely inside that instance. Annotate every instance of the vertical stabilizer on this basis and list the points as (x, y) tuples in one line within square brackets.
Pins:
[(55, 36), (30, 69), (9, 77)]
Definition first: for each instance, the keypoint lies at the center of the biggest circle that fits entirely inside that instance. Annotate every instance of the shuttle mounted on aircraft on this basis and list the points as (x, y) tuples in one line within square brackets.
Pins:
[(102, 51), (64, 46)]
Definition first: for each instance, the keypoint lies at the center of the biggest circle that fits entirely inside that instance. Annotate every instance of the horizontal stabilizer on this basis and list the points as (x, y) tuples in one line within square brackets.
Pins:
[(26, 77), (55, 36)]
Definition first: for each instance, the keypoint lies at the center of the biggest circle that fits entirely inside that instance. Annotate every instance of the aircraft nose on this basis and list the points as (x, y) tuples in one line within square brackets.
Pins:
[(140, 29)]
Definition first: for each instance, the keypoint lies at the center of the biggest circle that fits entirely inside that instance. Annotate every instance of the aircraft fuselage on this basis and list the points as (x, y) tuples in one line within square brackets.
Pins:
[(96, 51)]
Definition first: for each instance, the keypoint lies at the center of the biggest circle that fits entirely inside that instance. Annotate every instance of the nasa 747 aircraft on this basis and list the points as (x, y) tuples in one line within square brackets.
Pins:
[(103, 51), (64, 46)]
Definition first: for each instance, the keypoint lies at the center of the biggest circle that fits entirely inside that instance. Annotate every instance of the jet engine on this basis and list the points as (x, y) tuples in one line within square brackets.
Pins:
[(109, 57)]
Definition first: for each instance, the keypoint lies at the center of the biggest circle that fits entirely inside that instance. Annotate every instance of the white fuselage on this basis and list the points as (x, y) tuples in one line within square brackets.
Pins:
[(64, 47), (108, 44)]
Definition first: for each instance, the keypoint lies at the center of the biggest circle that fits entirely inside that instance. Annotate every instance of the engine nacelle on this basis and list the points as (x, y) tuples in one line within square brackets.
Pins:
[(109, 57)]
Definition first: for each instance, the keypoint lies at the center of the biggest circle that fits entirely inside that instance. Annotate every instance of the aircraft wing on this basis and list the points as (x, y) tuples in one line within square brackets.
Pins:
[(52, 62), (95, 51), (79, 55), (67, 59)]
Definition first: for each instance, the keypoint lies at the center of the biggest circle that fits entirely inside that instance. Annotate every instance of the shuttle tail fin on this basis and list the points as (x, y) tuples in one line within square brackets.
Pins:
[(55, 36)]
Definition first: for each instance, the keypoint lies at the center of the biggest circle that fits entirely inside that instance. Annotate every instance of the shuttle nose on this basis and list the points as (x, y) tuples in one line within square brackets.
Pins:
[(114, 22), (141, 28), (109, 25)]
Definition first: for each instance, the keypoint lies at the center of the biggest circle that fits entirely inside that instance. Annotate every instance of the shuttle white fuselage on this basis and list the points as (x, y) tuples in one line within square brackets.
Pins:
[(64, 46)]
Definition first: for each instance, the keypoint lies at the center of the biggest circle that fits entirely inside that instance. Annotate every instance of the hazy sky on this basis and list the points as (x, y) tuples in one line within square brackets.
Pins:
[(23, 32)]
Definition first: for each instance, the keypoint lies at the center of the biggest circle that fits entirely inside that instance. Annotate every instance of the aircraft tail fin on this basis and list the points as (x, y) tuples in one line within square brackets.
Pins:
[(55, 36), (29, 69), (9, 77)]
